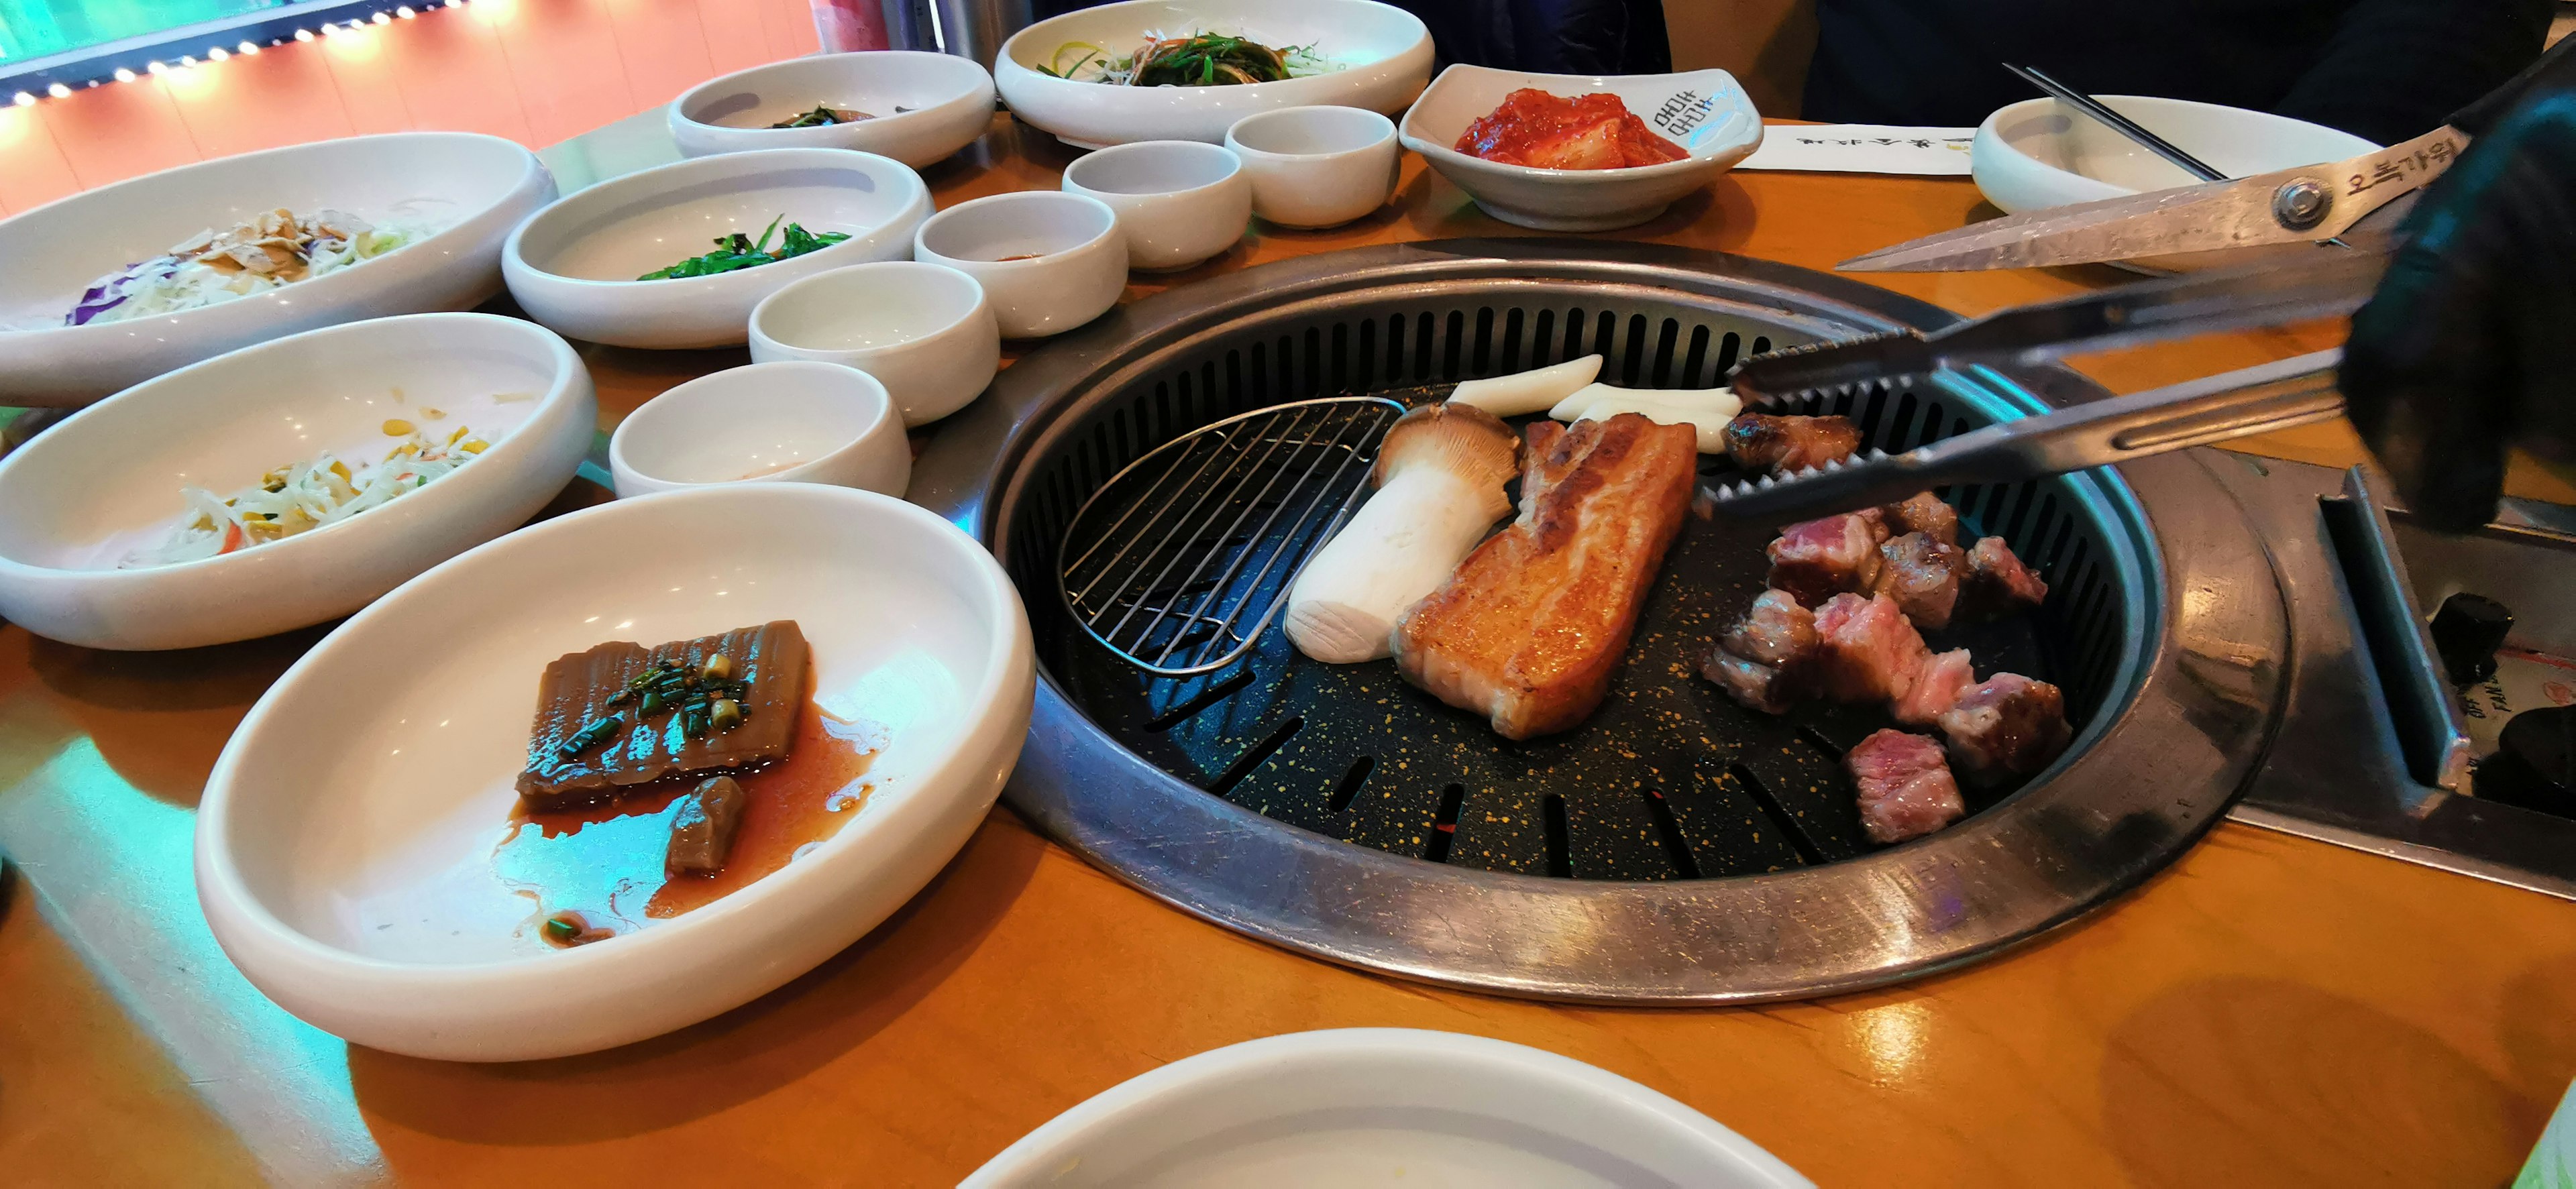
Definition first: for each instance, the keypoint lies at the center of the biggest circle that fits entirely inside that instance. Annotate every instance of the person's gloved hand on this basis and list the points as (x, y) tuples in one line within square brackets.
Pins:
[(2469, 346)]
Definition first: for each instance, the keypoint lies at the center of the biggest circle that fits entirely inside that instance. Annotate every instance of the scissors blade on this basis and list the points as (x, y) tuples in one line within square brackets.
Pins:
[(2202, 218)]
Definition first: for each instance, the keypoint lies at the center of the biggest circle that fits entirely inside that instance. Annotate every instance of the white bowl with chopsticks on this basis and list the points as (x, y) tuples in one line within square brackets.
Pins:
[(1367, 1106), (920, 106), (2039, 153), (345, 846), (1705, 112), (575, 266), (1376, 56), (108, 482), (468, 189)]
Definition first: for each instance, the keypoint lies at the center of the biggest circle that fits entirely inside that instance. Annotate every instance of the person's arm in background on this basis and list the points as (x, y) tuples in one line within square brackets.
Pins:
[(2395, 68)]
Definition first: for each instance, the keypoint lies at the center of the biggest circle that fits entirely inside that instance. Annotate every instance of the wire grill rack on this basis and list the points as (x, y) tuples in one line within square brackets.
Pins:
[(1182, 560)]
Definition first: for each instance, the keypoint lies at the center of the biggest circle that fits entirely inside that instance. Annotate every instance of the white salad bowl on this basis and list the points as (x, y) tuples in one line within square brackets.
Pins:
[(468, 190), (84, 494), (1049, 261), (345, 844), (924, 331), (573, 266), (787, 422), (2037, 154), (1706, 112), (1374, 55), (947, 102), (1317, 166), (1178, 201), (1381, 1106)]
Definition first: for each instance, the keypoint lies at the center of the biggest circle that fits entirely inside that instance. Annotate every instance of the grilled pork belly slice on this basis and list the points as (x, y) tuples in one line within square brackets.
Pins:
[(1532, 624), (637, 745), (1937, 687), (1905, 789), (1866, 650), (1762, 659), (2008, 726), (1764, 444), (1922, 575), (1996, 583), (1926, 513), (1815, 560)]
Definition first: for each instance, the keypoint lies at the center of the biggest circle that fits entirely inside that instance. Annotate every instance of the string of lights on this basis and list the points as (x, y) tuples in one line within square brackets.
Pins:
[(62, 76)]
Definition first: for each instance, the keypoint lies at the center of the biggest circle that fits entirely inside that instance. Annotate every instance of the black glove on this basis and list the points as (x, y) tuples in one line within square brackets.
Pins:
[(2469, 346)]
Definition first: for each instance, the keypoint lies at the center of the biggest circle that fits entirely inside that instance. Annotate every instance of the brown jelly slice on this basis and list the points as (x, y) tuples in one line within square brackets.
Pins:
[(771, 658)]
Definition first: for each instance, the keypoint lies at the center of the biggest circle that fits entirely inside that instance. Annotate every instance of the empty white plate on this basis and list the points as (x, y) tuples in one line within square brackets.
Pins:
[(1395, 1107)]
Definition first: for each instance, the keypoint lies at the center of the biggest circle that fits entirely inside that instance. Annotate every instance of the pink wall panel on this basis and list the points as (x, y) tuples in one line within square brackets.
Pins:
[(260, 102), (454, 76), (663, 46), (119, 131), (735, 38), (33, 170), (563, 55), (368, 91), (788, 25)]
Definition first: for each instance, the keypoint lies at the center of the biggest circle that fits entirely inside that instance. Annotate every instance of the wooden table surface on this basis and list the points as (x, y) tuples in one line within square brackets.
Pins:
[(2268, 1011)]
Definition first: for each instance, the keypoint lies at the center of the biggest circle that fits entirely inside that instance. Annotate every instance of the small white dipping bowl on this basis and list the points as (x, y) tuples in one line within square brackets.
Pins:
[(344, 848), (1380, 56), (1178, 201), (791, 422), (924, 331), (1317, 166), (1074, 266), (85, 493), (948, 102), (573, 266), (1381, 1106), (1706, 112), (469, 189), (2037, 154)]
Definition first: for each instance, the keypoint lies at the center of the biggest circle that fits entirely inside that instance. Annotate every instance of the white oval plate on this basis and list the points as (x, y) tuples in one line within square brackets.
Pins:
[(344, 846), (1394, 1107), (471, 188)]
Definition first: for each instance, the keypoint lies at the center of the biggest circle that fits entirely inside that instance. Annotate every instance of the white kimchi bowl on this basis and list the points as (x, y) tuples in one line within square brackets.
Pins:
[(1384, 55), (85, 493), (471, 189), (344, 849), (1706, 112)]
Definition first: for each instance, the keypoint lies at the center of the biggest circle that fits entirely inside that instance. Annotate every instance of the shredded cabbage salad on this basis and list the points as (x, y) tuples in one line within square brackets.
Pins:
[(272, 251), (305, 496)]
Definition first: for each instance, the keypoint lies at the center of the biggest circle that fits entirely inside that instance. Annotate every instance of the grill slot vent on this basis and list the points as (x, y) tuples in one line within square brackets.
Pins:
[(1670, 780)]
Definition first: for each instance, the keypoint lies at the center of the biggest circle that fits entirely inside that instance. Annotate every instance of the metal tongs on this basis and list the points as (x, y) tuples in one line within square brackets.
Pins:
[(2193, 413)]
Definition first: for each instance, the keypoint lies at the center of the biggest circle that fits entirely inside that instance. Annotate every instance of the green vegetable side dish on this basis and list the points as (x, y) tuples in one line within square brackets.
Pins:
[(737, 251), (1198, 60), (823, 117)]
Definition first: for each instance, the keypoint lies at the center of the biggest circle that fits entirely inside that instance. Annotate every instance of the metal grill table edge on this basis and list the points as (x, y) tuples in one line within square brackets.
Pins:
[(2167, 629)]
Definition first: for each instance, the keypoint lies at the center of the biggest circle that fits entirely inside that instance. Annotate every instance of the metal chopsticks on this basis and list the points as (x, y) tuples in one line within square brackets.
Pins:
[(2116, 122)]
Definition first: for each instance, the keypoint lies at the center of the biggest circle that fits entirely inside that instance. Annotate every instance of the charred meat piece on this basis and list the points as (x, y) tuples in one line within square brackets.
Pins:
[(1922, 575), (1937, 687), (1866, 650), (1775, 631), (1815, 560), (1996, 584), (1529, 628), (2009, 726), (1905, 788), (596, 735), (702, 831), (1758, 686), (1763, 444), (1925, 513)]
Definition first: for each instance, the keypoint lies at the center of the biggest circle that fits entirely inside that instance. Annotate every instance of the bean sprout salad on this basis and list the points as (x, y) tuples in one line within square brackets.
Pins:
[(304, 496)]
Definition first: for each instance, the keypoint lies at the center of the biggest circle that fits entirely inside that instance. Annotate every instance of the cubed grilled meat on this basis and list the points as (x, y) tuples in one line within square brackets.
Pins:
[(1775, 631), (1905, 788), (1937, 687), (1996, 584), (1926, 513), (1758, 686), (1764, 444), (1866, 650), (1815, 560), (1533, 623), (1922, 575), (2009, 726)]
